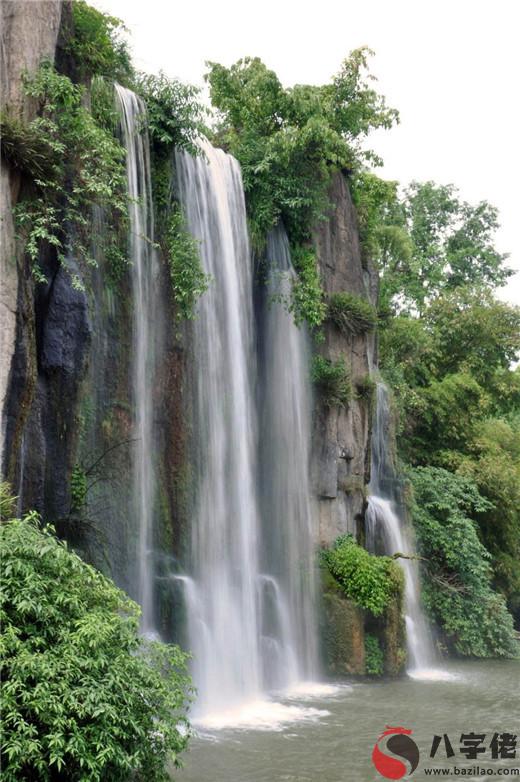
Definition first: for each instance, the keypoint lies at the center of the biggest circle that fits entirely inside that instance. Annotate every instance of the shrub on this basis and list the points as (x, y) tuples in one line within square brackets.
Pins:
[(25, 148), (374, 658), (83, 152), (175, 116), (368, 580), (96, 44), (307, 304), (457, 581), (78, 488), (332, 380), (351, 314), (84, 697), (366, 388), (188, 278)]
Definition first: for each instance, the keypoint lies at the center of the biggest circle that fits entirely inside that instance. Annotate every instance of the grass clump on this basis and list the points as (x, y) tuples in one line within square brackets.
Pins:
[(351, 314), (332, 379)]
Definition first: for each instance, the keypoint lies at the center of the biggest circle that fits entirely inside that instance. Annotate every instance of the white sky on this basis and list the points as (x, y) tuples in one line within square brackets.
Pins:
[(452, 69)]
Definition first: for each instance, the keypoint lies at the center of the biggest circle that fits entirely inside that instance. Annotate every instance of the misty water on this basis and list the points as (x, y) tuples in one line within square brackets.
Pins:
[(329, 738)]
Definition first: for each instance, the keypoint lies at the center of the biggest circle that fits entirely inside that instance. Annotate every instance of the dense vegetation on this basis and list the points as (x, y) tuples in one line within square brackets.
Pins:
[(289, 143), (448, 348), (83, 695), (457, 591), (370, 581)]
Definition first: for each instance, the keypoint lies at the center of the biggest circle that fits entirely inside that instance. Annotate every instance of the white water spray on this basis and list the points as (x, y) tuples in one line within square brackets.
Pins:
[(286, 497), (144, 272), (385, 528), (250, 590)]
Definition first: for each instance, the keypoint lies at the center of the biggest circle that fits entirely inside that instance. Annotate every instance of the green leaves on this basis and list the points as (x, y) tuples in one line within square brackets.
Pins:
[(289, 141), (189, 280), (175, 117), (97, 45), (307, 303), (81, 690), (81, 152), (368, 580), (456, 585), (332, 379), (351, 314)]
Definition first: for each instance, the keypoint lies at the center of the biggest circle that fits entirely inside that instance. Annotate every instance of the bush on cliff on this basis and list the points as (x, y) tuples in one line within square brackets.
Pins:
[(368, 580)]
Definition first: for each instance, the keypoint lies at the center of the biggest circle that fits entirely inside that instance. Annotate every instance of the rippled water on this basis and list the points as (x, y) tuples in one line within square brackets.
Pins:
[(327, 734)]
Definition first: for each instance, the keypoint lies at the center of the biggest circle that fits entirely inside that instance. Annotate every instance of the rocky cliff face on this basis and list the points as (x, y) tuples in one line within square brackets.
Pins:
[(341, 442), (29, 35)]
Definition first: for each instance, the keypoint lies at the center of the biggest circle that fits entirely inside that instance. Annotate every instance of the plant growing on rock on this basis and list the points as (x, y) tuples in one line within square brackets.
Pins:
[(78, 150), (370, 581), (332, 379), (189, 281), (374, 657), (351, 314)]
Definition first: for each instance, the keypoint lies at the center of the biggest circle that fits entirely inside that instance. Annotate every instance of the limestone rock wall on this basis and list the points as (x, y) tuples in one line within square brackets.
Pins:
[(341, 438)]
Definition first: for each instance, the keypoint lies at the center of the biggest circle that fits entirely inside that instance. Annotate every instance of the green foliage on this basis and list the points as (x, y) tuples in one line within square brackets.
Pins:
[(103, 104), (366, 389), (289, 141), (175, 117), (81, 151), (24, 147), (493, 464), (332, 379), (189, 280), (457, 585), (473, 332), (381, 220), (374, 657), (78, 488), (351, 314), (84, 697), (307, 303), (430, 242), (97, 45), (368, 580)]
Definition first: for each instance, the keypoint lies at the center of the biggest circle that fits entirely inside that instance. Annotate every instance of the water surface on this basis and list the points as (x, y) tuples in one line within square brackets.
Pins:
[(329, 736)]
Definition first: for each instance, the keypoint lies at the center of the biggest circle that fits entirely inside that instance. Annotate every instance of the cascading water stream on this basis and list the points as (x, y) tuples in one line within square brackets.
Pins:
[(249, 591), (386, 529), (286, 498), (222, 602), (144, 272)]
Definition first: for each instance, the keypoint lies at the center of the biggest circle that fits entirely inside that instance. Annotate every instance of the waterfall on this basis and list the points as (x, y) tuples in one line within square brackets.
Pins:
[(289, 548), (249, 587), (144, 272), (222, 603), (386, 529)]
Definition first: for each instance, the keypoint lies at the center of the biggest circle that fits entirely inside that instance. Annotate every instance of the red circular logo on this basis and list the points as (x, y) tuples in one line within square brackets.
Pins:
[(398, 744)]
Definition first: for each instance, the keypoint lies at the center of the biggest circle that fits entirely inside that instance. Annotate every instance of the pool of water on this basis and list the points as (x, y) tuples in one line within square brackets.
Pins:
[(327, 733)]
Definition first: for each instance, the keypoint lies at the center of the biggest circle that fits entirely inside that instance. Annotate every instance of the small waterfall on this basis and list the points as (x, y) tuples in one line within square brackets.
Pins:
[(386, 531), (222, 598), (144, 273), (289, 548)]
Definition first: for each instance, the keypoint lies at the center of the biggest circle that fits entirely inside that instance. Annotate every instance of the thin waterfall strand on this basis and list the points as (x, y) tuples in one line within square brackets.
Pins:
[(144, 270), (290, 591), (386, 527)]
